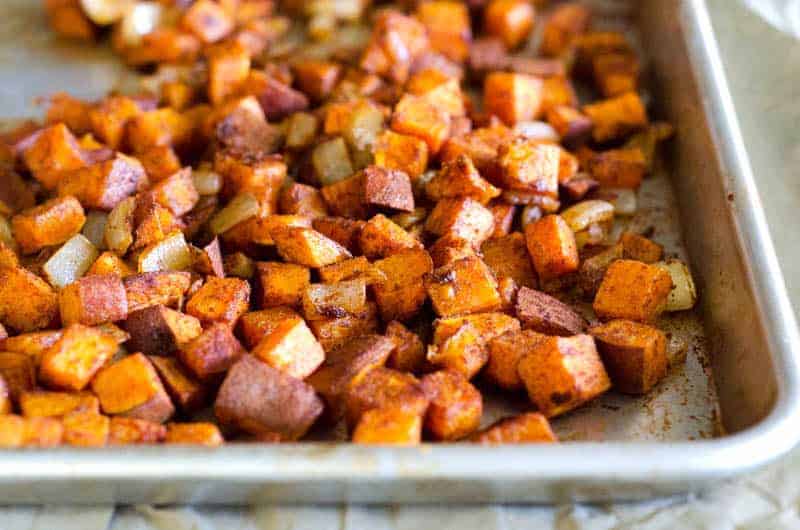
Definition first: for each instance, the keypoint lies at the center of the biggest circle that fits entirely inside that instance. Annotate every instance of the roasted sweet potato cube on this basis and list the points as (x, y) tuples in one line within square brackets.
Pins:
[(186, 391), (125, 431), (198, 433), (552, 247), (388, 426), (154, 288), (159, 162), (307, 247), (464, 286), (503, 218), (528, 166), (49, 223), (615, 73), (450, 248), (35, 309), (571, 124), (15, 193), (281, 284), (208, 20), (8, 257), (19, 374), (228, 68), (505, 351), (159, 127), (158, 330), (257, 174), (616, 117), (86, 429), (110, 117), (92, 300), (131, 387), (562, 373), (326, 300), (530, 427), (459, 178), (396, 41), (343, 231), (334, 331), (599, 42), (164, 44), (440, 89), (455, 405), (634, 354), (381, 237), (512, 97), (105, 184), (546, 314), (387, 188), (211, 353), (259, 230), (508, 257), (618, 168), (416, 116), (463, 218), (409, 352), (40, 432), (565, 23), (177, 95), (52, 152), (462, 352), (177, 192), (31, 344), (381, 388), (277, 99), (72, 112), (632, 290), (346, 197), (351, 269), (403, 152), (400, 296), (259, 399), (45, 404), (639, 248), (220, 300), (316, 78), (256, 325), (291, 348), (480, 145), (304, 200), (73, 360), (488, 325), (511, 20), (594, 268), (448, 26)]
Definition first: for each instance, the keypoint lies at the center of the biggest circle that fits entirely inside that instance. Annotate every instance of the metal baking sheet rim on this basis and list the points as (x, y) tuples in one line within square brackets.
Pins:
[(585, 471)]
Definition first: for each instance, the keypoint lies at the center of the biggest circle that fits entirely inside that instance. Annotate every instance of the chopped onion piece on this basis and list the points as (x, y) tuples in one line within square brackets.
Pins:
[(70, 262), (94, 228), (624, 201), (241, 208), (207, 181), (579, 216), (537, 130), (684, 294), (119, 226), (139, 19), (105, 12), (170, 254)]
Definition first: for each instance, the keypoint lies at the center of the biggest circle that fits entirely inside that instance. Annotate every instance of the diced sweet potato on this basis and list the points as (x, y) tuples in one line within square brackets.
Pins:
[(530, 427), (72, 361), (50, 223), (400, 296), (503, 218), (464, 286), (616, 117), (92, 300), (178, 95), (259, 175), (388, 426), (508, 257), (341, 230), (381, 237), (401, 152), (448, 26), (528, 166), (632, 290), (303, 200), (565, 23), (639, 248), (335, 331), (15, 193), (351, 269), (159, 162), (634, 354), (416, 116), (160, 127), (459, 178), (131, 387), (155, 288), (158, 330), (615, 73), (505, 351), (220, 300), (35, 309), (450, 248), (208, 20), (199, 433), (110, 117), (463, 218), (387, 188), (228, 67), (396, 41), (177, 192), (440, 89), (571, 124), (185, 391), (19, 373), (259, 230), (212, 353), (45, 404), (72, 112), (326, 300), (281, 283), (511, 20), (31, 344), (455, 405), (462, 352), (86, 429), (255, 325), (384, 387), (409, 352), (52, 152), (11, 430), (545, 314), (277, 99), (346, 197), (316, 78), (291, 348), (259, 399), (16, 431), (6, 406), (125, 431), (618, 168), (512, 97), (105, 184), (562, 373), (552, 247)]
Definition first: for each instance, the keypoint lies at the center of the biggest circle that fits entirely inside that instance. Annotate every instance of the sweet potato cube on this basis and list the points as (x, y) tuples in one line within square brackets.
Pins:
[(86, 429), (346, 197), (53, 152), (455, 405), (618, 168), (155, 288), (316, 79), (105, 184), (565, 23), (351, 269), (260, 175), (326, 300), (15, 193), (562, 373), (72, 112), (615, 73), (291, 348), (31, 344), (381, 237), (45, 404), (462, 287), (511, 20), (178, 95), (110, 118), (92, 300), (396, 41), (505, 351), (12, 429), (186, 391), (198, 433), (530, 427), (126, 431), (256, 325), (440, 89), (387, 188), (35, 309), (307, 247), (528, 166), (259, 399), (228, 68), (632, 290), (343, 231), (508, 257), (594, 268), (303, 200), (259, 230), (459, 178), (634, 354), (281, 284), (47, 224), (332, 332), (212, 353), (546, 314), (416, 116), (400, 296), (209, 21), (463, 218), (512, 97), (177, 192), (384, 387), (131, 387), (552, 247), (388, 426), (616, 117), (503, 218), (158, 330), (488, 326), (220, 300), (6, 406), (462, 352), (639, 248), (403, 152), (571, 124), (409, 352), (41, 432), (159, 127), (448, 26), (278, 100), (72, 361), (450, 248), (19, 374)]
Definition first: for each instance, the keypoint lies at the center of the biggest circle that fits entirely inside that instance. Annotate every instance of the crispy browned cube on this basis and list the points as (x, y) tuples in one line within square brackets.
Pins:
[(508, 257), (530, 427), (505, 351), (634, 354), (31, 344), (53, 152), (158, 330), (19, 373), (159, 162), (528, 166), (316, 78), (416, 116), (448, 26), (259, 399), (462, 352), (618, 168), (565, 23), (291, 348), (255, 325), (455, 405), (212, 353), (409, 352), (178, 94), (346, 197), (105, 184), (259, 230), (86, 429), (552, 247), (177, 192), (545, 314), (503, 218), (50, 223), (281, 283), (208, 260), (562, 373), (388, 426), (511, 20), (304, 200), (387, 188), (199, 433), (110, 117), (131, 387), (126, 431), (73, 112), (512, 97), (480, 145), (341, 230), (640, 248), (228, 68), (450, 248), (159, 127), (36, 309), (615, 73), (615, 118), (221, 300), (351, 269), (164, 44), (41, 403), (632, 290), (381, 388), (154, 288), (402, 152), (594, 268), (92, 300), (440, 89), (488, 326), (462, 287), (307, 247), (332, 332), (459, 178), (326, 300), (277, 99), (6, 406), (571, 124), (396, 41), (208, 20), (400, 296), (381, 237), (463, 218), (155, 223), (260, 176), (16, 431), (188, 393), (72, 361)]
